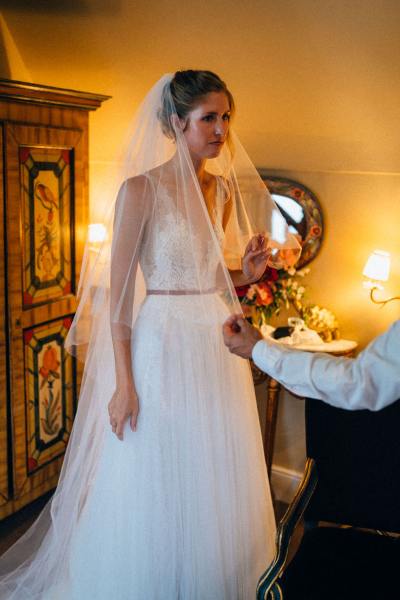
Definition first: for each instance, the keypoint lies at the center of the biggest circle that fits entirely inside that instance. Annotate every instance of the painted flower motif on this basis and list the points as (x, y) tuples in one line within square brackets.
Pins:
[(51, 413), (51, 403), (46, 258), (50, 364)]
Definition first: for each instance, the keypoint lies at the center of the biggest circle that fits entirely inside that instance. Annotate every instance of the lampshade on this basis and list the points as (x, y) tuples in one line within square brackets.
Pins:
[(97, 233), (377, 266)]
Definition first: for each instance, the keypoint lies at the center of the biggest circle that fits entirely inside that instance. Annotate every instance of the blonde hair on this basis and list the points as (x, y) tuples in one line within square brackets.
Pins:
[(186, 90)]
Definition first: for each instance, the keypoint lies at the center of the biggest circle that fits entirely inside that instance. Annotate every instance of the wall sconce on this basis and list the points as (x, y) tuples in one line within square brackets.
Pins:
[(97, 233), (376, 270)]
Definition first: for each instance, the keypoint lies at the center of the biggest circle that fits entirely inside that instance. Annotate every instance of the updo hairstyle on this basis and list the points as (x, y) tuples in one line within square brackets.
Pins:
[(186, 89)]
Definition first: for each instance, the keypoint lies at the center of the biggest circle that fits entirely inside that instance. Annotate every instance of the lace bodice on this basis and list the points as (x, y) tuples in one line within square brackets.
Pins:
[(173, 257)]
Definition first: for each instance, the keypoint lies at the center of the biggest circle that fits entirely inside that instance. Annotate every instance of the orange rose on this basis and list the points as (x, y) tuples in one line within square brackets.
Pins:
[(264, 294)]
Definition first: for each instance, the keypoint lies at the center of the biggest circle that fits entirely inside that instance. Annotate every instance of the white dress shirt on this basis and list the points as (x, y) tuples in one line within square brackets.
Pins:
[(370, 381)]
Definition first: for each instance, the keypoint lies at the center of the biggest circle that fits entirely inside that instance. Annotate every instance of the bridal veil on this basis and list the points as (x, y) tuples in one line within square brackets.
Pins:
[(112, 288)]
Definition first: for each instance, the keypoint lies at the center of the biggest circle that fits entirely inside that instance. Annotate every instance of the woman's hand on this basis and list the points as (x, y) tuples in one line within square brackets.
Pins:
[(123, 405), (254, 261)]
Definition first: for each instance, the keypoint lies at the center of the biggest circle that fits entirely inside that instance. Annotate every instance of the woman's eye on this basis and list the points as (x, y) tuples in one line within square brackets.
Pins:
[(210, 118)]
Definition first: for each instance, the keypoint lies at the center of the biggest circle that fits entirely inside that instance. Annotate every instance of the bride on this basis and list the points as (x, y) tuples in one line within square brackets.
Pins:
[(164, 492)]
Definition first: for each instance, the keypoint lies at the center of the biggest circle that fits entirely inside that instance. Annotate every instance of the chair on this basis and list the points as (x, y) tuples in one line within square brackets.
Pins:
[(349, 500)]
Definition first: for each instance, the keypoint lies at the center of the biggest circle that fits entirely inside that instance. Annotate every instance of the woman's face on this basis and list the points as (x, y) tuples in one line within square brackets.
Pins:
[(206, 126)]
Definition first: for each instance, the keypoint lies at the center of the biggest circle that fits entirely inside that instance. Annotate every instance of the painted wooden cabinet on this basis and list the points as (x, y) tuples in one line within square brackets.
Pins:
[(43, 225)]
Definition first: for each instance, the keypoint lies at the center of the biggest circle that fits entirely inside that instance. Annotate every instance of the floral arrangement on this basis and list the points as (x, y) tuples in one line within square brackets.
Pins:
[(322, 320), (275, 290), (280, 289)]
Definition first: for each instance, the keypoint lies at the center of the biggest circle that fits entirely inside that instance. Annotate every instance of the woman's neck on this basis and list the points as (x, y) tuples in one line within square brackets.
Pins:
[(204, 180), (199, 167)]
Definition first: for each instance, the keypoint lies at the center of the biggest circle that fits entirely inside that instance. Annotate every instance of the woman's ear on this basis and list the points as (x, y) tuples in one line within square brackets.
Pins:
[(178, 124)]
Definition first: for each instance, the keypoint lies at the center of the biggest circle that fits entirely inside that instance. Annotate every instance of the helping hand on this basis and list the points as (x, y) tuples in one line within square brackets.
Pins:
[(239, 336), (255, 259), (123, 405)]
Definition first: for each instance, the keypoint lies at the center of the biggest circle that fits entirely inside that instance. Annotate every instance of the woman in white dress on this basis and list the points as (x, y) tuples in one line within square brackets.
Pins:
[(164, 492)]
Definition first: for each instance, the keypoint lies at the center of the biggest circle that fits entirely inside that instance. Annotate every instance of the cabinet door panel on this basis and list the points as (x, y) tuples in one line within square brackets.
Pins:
[(45, 199), (47, 193), (49, 395)]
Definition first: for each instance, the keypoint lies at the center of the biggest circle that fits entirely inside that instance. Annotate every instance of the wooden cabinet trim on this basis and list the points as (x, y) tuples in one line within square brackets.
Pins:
[(19, 91)]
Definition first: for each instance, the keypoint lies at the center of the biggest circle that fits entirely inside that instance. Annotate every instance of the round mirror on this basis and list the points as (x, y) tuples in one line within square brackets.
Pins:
[(302, 212)]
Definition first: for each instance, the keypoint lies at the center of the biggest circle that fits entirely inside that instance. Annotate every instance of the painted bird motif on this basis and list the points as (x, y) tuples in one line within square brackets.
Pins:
[(45, 196)]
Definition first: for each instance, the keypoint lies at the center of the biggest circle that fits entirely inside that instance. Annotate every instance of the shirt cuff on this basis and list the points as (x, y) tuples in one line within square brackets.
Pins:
[(265, 355), (261, 354), (257, 350)]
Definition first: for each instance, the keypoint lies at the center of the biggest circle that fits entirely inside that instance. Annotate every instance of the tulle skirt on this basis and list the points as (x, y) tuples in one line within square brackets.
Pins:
[(181, 509)]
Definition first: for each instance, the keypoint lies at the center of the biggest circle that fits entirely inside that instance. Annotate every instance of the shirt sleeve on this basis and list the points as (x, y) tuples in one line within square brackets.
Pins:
[(370, 381)]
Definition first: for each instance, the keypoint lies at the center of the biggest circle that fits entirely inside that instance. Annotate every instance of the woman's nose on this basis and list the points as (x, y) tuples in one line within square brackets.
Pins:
[(220, 127)]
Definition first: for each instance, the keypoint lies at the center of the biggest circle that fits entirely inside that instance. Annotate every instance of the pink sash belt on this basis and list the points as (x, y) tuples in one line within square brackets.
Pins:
[(180, 292)]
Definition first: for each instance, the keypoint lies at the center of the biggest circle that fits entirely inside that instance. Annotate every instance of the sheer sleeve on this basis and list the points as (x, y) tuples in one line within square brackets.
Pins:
[(132, 212)]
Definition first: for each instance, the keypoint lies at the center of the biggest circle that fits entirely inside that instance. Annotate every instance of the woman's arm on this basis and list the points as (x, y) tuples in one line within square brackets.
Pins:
[(254, 261), (129, 222)]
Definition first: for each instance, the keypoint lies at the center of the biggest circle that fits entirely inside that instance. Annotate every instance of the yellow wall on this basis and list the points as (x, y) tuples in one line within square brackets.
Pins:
[(317, 85)]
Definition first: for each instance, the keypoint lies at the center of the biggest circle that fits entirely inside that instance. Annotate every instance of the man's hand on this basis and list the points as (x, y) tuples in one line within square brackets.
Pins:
[(239, 336)]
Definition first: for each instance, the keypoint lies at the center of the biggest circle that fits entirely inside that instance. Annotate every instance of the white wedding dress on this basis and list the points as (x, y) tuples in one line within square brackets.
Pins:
[(181, 509)]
